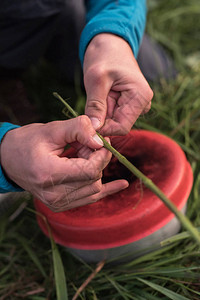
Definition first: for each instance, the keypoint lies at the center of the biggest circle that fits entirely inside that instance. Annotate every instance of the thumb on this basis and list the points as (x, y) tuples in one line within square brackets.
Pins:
[(75, 130), (97, 89)]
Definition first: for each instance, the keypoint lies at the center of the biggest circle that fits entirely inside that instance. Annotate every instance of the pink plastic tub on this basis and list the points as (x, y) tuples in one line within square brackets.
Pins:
[(134, 219)]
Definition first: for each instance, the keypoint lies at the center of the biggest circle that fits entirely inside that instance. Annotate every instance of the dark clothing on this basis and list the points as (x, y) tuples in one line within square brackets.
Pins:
[(28, 27), (56, 37), (26, 9)]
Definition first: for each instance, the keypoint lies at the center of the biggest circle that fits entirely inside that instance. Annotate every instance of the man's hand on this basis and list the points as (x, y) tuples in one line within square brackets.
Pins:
[(117, 92), (31, 156)]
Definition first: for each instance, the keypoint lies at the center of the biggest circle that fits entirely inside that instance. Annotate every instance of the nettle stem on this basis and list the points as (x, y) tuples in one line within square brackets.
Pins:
[(185, 222)]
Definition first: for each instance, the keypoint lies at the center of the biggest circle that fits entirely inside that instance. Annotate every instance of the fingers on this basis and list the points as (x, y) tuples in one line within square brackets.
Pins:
[(63, 169), (79, 129), (130, 106), (74, 178), (60, 199), (110, 188), (84, 152), (81, 181), (63, 195), (97, 85), (107, 189), (129, 110), (112, 104), (99, 159), (113, 128), (120, 109)]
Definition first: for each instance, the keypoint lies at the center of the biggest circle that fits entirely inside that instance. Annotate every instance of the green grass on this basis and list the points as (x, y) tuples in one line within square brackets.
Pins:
[(173, 272)]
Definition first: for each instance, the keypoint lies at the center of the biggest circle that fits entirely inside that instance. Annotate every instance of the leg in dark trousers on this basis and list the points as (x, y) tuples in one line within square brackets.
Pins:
[(154, 61), (23, 42)]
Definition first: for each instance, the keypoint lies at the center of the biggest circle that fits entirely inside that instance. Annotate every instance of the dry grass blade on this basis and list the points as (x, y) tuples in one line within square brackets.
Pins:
[(87, 281)]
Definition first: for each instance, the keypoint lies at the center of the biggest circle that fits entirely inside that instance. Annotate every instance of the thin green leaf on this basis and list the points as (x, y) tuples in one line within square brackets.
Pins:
[(145, 295), (118, 287), (60, 280), (170, 294), (59, 273)]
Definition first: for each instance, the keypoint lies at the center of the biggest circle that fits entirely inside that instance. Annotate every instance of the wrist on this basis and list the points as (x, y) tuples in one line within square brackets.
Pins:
[(108, 40), (6, 185), (108, 49)]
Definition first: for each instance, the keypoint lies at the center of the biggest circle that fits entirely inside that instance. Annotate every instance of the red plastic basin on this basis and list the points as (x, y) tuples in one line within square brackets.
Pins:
[(134, 213)]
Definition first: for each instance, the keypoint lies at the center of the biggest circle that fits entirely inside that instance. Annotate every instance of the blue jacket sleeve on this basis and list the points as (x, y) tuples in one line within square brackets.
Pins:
[(5, 185), (125, 18)]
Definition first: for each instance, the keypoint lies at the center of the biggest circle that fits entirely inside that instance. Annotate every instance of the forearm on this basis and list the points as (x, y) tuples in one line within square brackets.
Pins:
[(5, 185), (124, 18)]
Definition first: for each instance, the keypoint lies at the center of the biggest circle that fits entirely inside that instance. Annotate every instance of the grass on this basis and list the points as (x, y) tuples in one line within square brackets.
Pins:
[(173, 272)]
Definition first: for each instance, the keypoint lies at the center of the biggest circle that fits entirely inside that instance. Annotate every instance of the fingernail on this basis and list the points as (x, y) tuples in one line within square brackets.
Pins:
[(95, 122), (97, 139), (107, 140)]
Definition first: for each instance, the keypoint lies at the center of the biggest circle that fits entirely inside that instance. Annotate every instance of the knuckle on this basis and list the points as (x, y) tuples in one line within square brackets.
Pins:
[(142, 99), (96, 104), (49, 199), (146, 109), (148, 92), (94, 174), (83, 125), (91, 174), (41, 179), (51, 127), (96, 187), (124, 130), (83, 121), (96, 74), (100, 72)]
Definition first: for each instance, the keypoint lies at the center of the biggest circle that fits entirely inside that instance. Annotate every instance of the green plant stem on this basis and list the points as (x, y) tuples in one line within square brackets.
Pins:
[(73, 112), (185, 222)]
